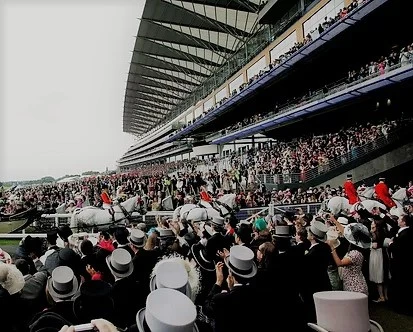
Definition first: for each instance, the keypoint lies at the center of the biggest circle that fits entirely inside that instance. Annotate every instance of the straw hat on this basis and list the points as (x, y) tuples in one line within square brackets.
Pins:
[(11, 279)]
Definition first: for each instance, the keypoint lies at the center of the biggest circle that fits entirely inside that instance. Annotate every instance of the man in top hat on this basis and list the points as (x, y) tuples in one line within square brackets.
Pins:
[(350, 190), (106, 200), (120, 265), (316, 262), (382, 192), (231, 310)]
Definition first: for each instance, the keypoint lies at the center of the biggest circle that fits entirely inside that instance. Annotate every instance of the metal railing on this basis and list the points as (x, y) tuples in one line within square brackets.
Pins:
[(319, 94), (334, 163), (57, 220)]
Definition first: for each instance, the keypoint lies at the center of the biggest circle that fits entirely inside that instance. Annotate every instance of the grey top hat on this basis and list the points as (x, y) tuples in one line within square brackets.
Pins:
[(282, 231), (120, 263), (62, 285), (173, 275), (166, 232), (343, 311), (167, 310), (241, 262), (137, 238), (218, 221), (318, 229)]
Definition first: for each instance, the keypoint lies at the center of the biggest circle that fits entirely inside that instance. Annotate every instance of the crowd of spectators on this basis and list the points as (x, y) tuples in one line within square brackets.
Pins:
[(186, 178), (283, 57), (398, 56), (113, 279)]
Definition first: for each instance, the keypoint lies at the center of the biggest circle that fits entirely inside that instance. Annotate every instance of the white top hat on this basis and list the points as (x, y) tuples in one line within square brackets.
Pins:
[(318, 229), (171, 274), (342, 311), (167, 310), (63, 284), (219, 221), (332, 235), (241, 261), (137, 238), (120, 263), (342, 220)]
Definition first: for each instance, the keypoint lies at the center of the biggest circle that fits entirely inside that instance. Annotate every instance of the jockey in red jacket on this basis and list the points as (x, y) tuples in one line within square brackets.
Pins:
[(205, 196), (350, 190), (382, 192), (107, 202)]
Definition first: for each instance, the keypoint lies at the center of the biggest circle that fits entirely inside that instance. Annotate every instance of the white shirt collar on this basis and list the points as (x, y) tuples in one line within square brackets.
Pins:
[(313, 245), (402, 228)]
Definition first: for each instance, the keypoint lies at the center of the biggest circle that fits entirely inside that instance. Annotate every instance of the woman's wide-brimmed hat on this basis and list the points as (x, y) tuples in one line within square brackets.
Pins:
[(167, 310), (11, 279), (199, 253), (241, 262), (120, 263), (63, 284), (358, 234)]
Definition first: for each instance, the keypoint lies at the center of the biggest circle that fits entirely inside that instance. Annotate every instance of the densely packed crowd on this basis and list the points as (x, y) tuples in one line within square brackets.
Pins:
[(398, 56), (297, 46), (185, 178), (190, 272)]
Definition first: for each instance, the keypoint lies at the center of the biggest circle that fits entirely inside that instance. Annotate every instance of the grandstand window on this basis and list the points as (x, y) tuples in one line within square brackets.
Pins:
[(199, 111), (235, 84), (190, 117), (221, 94), (209, 103), (284, 46), (256, 68), (329, 10)]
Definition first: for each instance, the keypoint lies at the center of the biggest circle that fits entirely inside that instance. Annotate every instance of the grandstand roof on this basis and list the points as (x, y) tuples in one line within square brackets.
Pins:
[(180, 43)]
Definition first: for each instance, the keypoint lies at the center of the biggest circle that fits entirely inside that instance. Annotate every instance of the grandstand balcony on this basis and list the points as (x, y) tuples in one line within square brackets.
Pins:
[(339, 94), (318, 60)]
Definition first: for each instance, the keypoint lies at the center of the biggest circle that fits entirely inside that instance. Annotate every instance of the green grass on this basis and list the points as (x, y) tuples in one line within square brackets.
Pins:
[(9, 242)]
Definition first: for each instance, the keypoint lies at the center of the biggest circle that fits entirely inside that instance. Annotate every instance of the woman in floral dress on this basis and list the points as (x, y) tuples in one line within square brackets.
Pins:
[(360, 240)]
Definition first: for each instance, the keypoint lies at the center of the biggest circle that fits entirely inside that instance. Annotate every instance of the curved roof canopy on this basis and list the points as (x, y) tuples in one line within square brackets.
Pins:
[(180, 44)]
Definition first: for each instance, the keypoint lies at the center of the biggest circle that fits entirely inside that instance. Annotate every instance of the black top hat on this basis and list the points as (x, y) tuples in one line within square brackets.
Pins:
[(382, 178), (94, 301), (64, 232), (349, 176)]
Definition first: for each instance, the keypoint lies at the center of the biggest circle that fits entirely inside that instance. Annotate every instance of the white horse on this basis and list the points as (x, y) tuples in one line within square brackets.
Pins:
[(339, 204), (93, 216), (206, 211)]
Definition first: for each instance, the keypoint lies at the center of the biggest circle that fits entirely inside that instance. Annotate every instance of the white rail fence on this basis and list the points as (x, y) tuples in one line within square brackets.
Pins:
[(150, 217)]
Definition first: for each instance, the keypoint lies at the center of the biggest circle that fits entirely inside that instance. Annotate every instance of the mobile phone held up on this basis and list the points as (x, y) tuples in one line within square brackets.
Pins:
[(85, 327)]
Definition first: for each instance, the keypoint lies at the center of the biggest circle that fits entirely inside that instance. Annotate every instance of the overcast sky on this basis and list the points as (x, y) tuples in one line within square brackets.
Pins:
[(64, 66)]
